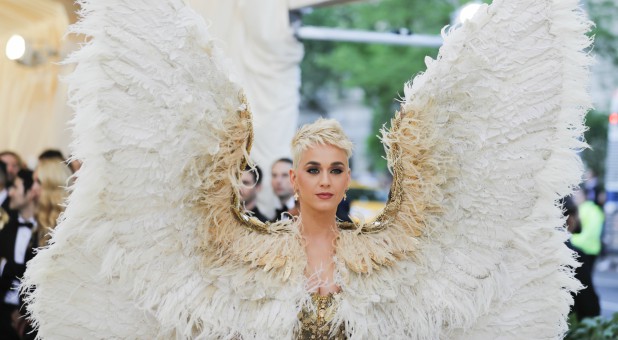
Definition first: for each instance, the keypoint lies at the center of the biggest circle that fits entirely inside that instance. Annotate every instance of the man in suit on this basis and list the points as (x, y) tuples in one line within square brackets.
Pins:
[(4, 192), (18, 240), (13, 163), (282, 187), (252, 185)]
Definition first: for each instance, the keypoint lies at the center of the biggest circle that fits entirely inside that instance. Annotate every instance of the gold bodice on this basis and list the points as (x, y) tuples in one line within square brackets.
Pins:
[(316, 321)]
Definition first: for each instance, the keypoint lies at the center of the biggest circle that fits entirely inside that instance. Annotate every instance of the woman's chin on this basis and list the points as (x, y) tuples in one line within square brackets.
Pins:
[(323, 207)]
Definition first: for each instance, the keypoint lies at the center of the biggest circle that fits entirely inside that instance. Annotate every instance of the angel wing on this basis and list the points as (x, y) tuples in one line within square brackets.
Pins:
[(163, 132), (484, 145)]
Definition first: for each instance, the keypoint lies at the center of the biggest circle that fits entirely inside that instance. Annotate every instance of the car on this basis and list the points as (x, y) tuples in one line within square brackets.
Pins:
[(365, 202)]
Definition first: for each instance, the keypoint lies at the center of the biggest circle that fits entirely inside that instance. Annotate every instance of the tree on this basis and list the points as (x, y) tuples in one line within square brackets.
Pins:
[(604, 13), (380, 70), (596, 137)]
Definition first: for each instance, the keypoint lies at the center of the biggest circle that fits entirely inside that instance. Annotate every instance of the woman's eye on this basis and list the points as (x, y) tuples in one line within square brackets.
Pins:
[(336, 171), (313, 171)]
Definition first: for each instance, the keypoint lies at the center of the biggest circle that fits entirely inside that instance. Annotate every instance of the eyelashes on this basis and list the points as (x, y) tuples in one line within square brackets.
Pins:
[(315, 171)]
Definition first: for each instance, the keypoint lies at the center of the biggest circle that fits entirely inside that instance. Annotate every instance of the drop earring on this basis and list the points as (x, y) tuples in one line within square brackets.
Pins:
[(345, 196), (296, 196)]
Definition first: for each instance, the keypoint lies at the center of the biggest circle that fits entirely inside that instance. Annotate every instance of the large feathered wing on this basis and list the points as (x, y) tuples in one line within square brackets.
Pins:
[(151, 244), (484, 145)]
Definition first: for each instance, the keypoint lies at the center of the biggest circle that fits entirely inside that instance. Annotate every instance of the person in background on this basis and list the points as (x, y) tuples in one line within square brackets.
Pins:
[(74, 164), (569, 210), (52, 154), (13, 163), (282, 187), (52, 175), (251, 185), (590, 184), (17, 243), (4, 196), (587, 244)]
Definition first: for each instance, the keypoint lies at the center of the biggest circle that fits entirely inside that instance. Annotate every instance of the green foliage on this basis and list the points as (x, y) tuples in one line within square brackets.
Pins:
[(596, 328), (604, 13), (596, 136), (380, 70)]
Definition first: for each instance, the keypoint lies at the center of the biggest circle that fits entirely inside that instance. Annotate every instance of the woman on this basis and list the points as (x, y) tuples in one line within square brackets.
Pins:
[(320, 177), (52, 175)]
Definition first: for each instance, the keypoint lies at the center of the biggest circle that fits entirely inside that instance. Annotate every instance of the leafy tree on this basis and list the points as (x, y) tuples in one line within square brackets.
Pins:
[(597, 328), (380, 70), (604, 14), (596, 136)]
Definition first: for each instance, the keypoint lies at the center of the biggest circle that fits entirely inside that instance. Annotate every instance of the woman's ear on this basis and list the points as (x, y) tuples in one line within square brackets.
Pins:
[(293, 178)]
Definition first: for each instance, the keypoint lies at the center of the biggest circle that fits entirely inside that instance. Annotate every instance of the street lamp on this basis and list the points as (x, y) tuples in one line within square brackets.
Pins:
[(15, 47), (22, 51)]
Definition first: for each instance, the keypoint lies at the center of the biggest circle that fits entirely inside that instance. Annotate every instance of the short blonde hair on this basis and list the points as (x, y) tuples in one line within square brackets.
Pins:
[(323, 132)]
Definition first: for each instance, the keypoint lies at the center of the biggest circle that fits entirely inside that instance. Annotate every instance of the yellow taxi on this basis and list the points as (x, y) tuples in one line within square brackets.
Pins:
[(365, 202)]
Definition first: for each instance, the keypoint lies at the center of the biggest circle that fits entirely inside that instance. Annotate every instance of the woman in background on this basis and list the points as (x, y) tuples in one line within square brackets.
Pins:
[(53, 176)]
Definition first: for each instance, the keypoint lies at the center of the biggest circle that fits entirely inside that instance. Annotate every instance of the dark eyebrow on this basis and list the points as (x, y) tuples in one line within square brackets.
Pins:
[(318, 163)]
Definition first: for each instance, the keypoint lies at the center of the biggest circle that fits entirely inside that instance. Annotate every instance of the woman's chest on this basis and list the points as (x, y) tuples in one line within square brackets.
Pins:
[(320, 268)]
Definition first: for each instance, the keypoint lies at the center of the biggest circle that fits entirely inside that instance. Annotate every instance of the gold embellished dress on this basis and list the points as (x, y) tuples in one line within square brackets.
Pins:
[(316, 320)]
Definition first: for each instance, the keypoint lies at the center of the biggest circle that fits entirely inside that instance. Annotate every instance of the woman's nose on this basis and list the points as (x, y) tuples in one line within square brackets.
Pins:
[(324, 179)]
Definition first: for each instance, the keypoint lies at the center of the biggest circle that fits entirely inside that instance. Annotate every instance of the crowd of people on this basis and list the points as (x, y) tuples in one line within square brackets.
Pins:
[(32, 202), (281, 187), (286, 205)]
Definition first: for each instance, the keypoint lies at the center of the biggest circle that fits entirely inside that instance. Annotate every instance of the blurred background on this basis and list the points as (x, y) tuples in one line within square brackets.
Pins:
[(299, 60)]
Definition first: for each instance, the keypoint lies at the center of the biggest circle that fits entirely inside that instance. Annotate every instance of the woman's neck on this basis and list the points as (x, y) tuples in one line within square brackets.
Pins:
[(317, 223)]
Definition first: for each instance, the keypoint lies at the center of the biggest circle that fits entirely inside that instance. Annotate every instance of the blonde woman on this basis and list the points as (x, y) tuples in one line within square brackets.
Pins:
[(53, 176), (320, 176)]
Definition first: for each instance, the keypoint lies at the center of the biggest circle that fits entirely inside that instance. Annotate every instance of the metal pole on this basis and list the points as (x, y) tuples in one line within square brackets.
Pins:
[(359, 36)]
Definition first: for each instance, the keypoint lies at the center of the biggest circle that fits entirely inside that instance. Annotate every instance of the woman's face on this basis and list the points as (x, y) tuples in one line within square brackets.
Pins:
[(321, 178)]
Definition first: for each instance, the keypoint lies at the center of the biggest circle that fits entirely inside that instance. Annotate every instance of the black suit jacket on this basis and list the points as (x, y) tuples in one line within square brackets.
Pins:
[(12, 270), (5, 206), (258, 214)]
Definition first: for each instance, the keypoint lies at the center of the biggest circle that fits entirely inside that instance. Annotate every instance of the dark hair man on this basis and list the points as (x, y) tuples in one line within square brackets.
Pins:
[(4, 196), (52, 154), (252, 185), (13, 163), (17, 244), (282, 187)]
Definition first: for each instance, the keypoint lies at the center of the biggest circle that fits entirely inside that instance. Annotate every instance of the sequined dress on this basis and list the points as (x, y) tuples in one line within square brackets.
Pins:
[(316, 321)]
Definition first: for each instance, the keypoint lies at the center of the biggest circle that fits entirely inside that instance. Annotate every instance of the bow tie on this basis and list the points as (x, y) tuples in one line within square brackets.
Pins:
[(25, 224)]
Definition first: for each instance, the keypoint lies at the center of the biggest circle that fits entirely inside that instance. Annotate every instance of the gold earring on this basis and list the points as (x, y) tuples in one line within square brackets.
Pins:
[(345, 196), (296, 196)]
